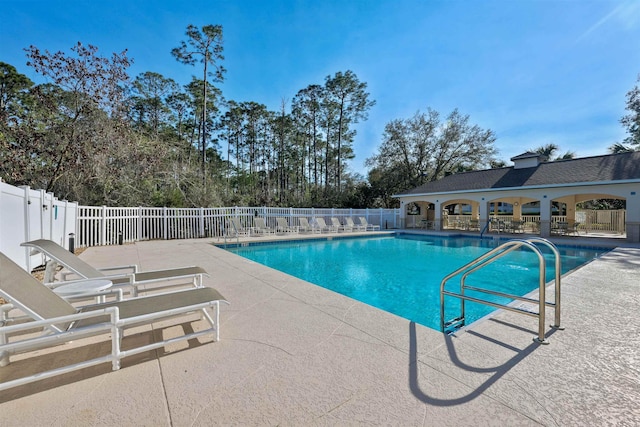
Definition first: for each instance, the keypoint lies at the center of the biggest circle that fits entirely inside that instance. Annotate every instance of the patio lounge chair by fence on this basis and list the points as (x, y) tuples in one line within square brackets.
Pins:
[(237, 229), (354, 227), (305, 227), (65, 323), (260, 228), (324, 228), (367, 226), (284, 227), (191, 275), (335, 222)]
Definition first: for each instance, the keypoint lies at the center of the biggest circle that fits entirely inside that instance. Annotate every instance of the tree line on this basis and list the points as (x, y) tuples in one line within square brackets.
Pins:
[(95, 135)]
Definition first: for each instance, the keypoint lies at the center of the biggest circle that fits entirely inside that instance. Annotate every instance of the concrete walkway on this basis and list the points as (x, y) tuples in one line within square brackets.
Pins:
[(292, 353)]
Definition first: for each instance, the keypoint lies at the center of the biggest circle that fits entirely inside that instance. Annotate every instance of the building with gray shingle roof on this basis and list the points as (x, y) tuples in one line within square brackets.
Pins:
[(532, 179)]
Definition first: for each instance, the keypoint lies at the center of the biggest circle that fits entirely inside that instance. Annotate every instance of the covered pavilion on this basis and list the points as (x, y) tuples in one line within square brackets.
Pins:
[(555, 188)]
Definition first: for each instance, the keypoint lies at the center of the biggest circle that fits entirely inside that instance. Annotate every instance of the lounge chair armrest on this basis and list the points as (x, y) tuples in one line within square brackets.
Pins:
[(109, 311), (69, 276), (133, 267), (113, 291)]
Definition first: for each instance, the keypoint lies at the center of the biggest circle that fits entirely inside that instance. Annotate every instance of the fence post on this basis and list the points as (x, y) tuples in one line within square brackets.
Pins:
[(164, 223), (64, 221), (42, 206), (51, 202), (139, 225), (202, 230), (103, 227), (27, 223)]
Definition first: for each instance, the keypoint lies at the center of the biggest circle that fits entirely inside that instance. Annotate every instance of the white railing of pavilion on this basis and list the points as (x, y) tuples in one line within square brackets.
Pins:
[(98, 226), (603, 220)]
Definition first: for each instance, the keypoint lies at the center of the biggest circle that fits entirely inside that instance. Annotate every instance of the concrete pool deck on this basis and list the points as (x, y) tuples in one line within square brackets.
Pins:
[(292, 353)]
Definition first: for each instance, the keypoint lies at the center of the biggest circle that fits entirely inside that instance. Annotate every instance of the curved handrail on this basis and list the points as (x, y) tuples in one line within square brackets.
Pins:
[(492, 256), (558, 269)]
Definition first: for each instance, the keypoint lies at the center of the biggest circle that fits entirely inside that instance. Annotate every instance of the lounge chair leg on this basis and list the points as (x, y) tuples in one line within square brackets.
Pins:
[(4, 359), (217, 305), (116, 341)]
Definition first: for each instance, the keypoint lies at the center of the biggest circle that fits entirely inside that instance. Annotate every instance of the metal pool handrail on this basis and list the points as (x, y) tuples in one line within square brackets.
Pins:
[(492, 256)]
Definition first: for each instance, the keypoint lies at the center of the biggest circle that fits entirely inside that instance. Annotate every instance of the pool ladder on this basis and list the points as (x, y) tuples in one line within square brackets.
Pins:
[(488, 258)]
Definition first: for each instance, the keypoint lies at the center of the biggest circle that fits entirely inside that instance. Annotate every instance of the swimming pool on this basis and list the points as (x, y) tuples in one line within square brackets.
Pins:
[(401, 273)]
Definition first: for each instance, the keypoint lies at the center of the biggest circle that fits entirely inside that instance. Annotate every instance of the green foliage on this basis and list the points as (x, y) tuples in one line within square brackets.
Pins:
[(205, 45), (425, 148), (631, 121), (550, 149)]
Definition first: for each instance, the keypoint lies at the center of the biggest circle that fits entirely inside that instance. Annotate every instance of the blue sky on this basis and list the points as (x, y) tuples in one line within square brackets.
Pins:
[(534, 71)]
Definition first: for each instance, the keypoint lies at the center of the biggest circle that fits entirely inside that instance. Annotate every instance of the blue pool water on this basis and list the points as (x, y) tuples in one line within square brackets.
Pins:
[(401, 274)]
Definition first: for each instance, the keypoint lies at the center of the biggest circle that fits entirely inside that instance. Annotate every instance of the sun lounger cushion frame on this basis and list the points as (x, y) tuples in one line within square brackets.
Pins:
[(61, 322)]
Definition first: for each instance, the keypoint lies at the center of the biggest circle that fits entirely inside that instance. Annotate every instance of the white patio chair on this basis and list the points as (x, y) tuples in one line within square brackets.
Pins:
[(324, 227), (119, 275), (354, 227), (367, 226), (283, 227), (335, 222), (305, 227), (61, 322), (260, 227), (237, 229)]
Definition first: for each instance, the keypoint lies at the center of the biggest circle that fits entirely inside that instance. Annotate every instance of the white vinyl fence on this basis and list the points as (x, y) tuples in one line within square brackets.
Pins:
[(27, 214), (99, 226)]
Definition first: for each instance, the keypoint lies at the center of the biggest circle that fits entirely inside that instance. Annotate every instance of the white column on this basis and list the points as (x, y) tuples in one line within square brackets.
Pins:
[(545, 216), (633, 217), (484, 213), (438, 215)]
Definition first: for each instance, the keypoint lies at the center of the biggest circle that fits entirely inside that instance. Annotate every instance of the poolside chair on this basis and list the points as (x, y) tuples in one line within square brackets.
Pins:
[(260, 228), (572, 228), (237, 229), (283, 227), (191, 275), (60, 322), (324, 227), (335, 222), (305, 227), (559, 227), (354, 227), (367, 226)]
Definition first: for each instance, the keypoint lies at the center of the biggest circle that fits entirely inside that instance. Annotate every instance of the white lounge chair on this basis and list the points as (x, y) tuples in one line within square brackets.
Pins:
[(335, 222), (324, 227), (237, 229), (260, 228), (354, 227), (283, 227), (367, 226), (61, 322), (305, 227), (191, 275)]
